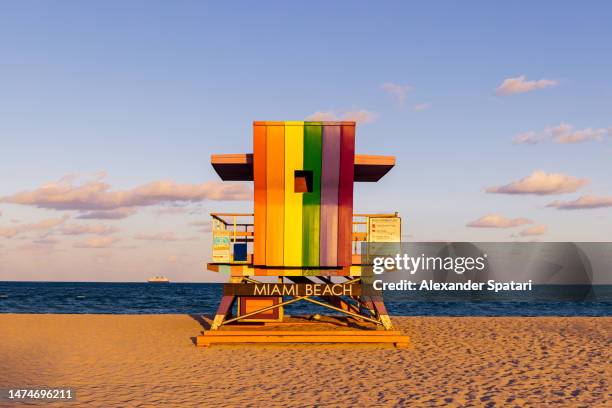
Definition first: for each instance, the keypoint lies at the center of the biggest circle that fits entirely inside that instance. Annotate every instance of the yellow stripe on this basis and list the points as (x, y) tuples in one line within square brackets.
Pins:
[(294, 160)]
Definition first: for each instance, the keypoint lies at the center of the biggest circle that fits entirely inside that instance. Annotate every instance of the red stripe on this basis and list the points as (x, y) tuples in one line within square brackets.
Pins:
[(345, 194)]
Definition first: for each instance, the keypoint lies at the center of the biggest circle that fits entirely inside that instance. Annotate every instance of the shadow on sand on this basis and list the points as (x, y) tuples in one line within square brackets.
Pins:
[(204, 322)]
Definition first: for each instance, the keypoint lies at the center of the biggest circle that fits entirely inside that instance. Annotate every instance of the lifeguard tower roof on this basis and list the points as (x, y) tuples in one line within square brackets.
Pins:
[(239, 167)]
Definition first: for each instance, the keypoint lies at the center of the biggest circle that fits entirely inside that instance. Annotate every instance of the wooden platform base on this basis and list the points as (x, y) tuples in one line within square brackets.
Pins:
[(296, 331)]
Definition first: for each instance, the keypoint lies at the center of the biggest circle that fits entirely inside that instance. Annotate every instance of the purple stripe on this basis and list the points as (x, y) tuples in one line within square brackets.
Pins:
[(330, 175)]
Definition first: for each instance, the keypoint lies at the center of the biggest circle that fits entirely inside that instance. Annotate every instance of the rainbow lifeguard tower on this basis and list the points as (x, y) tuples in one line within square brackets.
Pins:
[(303, 236)]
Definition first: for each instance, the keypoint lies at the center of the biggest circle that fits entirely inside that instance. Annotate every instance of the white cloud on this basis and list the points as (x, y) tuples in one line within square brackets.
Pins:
[(397, 91), (584, 202), (94, 196), (326, 116), (116, 214), (83, 229), (421, 107), (520, 85), (162, 236), (8, 232), (40, 226), (563, 134), (96, 243), (359, 116), (541, 183), (567, 134), (498, 221), (171, 210), (535, 230), (41, 248), (205, 226), (45, 240), (46, 224), (530, 137)]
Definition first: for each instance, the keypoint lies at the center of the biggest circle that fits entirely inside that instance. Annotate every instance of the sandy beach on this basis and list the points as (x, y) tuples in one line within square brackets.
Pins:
[(147, 360)]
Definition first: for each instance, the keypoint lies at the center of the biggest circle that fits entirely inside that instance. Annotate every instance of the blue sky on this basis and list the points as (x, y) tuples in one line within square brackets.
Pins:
[(146, 91)]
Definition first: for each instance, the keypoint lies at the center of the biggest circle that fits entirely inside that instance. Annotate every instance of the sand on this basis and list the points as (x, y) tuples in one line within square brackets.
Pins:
[(151, 360)]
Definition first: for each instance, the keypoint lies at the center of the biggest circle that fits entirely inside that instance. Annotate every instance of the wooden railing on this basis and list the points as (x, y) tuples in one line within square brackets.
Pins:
[(242, 229)]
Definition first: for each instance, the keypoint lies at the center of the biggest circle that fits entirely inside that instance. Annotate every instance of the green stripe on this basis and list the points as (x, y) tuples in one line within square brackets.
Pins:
[(311, 214)]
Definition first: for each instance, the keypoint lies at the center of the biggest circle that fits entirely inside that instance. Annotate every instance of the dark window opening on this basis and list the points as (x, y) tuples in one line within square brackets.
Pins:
[(303, 181)]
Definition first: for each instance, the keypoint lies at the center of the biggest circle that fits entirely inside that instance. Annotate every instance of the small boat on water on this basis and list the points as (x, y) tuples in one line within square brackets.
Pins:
[(158, 279)]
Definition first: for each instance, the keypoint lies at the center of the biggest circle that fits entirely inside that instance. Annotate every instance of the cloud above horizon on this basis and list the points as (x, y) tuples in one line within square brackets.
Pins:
[(498, 221), (171, 211), (96, 243), (44, 230), (95, 199), (533, 231), (359, 116), (204, 226), (116, 214), (40, 226), (583, 203), (541, 183), (529, 137), (397, 91), (162, 236), (567, 134), (520, 84), (563, 134), (86, 229), (421, 107)]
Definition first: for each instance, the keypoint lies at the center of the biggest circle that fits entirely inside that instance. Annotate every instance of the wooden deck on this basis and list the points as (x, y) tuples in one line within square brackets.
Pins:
[(329, 329)]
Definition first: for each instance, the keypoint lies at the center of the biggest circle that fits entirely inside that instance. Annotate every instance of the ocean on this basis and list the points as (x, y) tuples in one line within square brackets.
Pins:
[(203, 298)]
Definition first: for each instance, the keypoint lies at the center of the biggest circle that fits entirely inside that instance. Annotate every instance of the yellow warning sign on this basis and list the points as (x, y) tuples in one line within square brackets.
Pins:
[(384, 229)]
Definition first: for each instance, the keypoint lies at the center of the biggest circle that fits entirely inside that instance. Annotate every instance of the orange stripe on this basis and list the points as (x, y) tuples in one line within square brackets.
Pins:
[(275, 183), (259, 178)]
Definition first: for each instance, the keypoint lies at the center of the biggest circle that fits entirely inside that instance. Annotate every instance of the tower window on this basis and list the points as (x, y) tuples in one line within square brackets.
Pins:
[(303, 181)]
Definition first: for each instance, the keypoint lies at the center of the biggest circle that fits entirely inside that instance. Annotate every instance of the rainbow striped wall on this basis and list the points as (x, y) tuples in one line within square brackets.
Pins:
[(303, 229)]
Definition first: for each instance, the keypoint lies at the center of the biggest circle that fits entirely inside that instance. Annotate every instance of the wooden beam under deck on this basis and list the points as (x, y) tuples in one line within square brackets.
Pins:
[(246, 336)]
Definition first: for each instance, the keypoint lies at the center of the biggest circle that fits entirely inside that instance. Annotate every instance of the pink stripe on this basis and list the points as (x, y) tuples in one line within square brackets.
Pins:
[(330, 177)]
